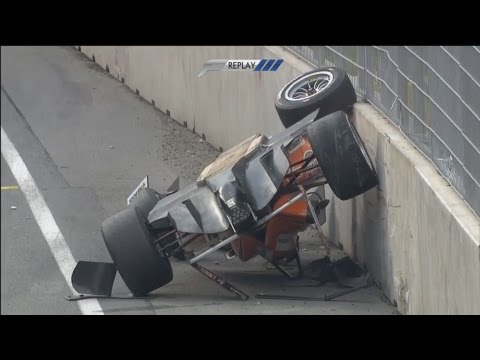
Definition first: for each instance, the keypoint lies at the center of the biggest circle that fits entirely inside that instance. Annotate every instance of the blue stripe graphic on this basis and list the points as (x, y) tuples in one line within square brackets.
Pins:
[(260, 65), (268, 65), (276, 65)]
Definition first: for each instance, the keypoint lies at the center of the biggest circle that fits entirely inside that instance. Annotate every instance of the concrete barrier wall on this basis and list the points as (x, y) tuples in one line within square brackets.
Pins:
[(415, 235), (225, 106)]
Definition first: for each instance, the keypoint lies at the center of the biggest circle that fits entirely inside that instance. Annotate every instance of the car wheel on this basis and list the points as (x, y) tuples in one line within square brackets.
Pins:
[(342, 156), (325, 89), (130, 244)]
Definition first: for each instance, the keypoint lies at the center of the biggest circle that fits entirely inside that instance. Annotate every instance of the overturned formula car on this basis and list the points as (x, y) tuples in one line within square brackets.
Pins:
[(256, 196)]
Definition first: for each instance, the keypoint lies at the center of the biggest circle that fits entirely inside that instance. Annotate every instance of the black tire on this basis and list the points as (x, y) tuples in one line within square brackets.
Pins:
[(146, 200), (338, 95), (141, 265), (342, 156)]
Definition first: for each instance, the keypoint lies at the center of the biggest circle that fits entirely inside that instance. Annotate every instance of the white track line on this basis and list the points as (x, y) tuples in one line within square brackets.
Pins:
[(45, 220)]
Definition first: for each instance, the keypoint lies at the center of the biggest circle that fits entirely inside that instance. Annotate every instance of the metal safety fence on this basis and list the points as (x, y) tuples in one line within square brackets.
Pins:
[(432, 93)]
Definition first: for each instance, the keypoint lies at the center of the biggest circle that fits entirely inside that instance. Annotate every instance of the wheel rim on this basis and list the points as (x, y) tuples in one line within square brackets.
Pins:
[(310, 85)]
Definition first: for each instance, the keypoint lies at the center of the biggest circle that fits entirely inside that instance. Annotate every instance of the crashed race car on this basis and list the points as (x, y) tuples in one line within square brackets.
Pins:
[(254, 198)]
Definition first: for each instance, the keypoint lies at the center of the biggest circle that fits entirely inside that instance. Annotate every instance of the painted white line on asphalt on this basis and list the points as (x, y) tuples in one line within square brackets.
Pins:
[(45, 220)]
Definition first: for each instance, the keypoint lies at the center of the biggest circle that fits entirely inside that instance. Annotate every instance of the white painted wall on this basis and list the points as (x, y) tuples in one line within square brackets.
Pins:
[(414, 233)]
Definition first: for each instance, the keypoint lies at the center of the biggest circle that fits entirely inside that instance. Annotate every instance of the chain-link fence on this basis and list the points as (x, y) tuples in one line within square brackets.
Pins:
[(431, 92)]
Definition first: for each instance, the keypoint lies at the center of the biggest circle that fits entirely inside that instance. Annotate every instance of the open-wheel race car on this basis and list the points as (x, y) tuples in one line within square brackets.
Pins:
[(255, 197)]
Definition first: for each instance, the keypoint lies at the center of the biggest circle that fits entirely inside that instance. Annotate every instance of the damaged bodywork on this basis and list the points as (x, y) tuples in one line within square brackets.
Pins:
[(255, 197)]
